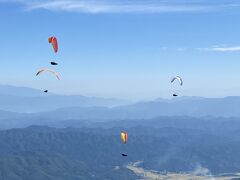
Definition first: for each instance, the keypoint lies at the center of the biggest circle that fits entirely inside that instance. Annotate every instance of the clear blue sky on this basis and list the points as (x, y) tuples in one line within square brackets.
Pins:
[(124, 49)]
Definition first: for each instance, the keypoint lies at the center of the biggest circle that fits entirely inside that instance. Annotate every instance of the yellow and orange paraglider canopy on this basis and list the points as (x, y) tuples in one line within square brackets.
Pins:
[(124, 137)]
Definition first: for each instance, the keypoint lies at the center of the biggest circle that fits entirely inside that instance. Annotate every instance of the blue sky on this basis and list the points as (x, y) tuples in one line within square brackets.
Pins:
[(125, 49)]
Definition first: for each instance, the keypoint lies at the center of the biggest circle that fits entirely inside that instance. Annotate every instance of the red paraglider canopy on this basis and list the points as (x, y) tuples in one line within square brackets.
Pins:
[(54, 42)]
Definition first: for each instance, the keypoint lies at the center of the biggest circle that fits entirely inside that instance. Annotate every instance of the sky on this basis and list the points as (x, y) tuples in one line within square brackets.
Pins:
[(128, 49)]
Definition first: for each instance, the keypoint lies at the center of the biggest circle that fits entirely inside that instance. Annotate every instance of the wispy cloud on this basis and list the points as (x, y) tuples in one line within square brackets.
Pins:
[(163, 48), (215, 48), (179, 49), (125, 6), (221, 49)]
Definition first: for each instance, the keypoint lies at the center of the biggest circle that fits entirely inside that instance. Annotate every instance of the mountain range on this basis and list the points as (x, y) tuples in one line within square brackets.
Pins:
[(29, 100), (18, 102), (95, 153)]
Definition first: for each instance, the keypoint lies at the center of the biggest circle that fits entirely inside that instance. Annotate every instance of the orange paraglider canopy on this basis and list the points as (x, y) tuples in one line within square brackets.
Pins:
[(54, 42)]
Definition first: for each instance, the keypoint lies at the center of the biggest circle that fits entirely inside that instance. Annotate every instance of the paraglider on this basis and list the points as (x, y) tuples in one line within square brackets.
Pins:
[(54, 42), (124, 137), (54, 63), (177, 78), (48, 70)]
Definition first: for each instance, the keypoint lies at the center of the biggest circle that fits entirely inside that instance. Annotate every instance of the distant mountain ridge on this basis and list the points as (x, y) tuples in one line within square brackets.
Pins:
[(29, 100), (193, 107), (41, 105), (20, 91)]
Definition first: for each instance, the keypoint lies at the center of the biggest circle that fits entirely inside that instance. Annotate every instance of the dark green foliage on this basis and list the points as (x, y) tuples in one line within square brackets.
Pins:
[(93, 153), (43, 153)]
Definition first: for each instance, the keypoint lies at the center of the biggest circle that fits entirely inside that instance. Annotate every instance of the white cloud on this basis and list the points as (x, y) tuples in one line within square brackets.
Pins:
[(110, 7), (122, 6), (226, 49), (163, 48), (181, 49), (221, 49), (216, 48)]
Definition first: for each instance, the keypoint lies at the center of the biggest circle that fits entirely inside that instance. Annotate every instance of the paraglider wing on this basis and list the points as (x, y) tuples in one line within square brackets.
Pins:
[(177, 78), (50, 40), (48, 70), (54, 42), (124, 137)]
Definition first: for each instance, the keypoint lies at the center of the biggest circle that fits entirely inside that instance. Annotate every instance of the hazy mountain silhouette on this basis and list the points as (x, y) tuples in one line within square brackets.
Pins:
[(22, 99), (19, 99), (195, 107)]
